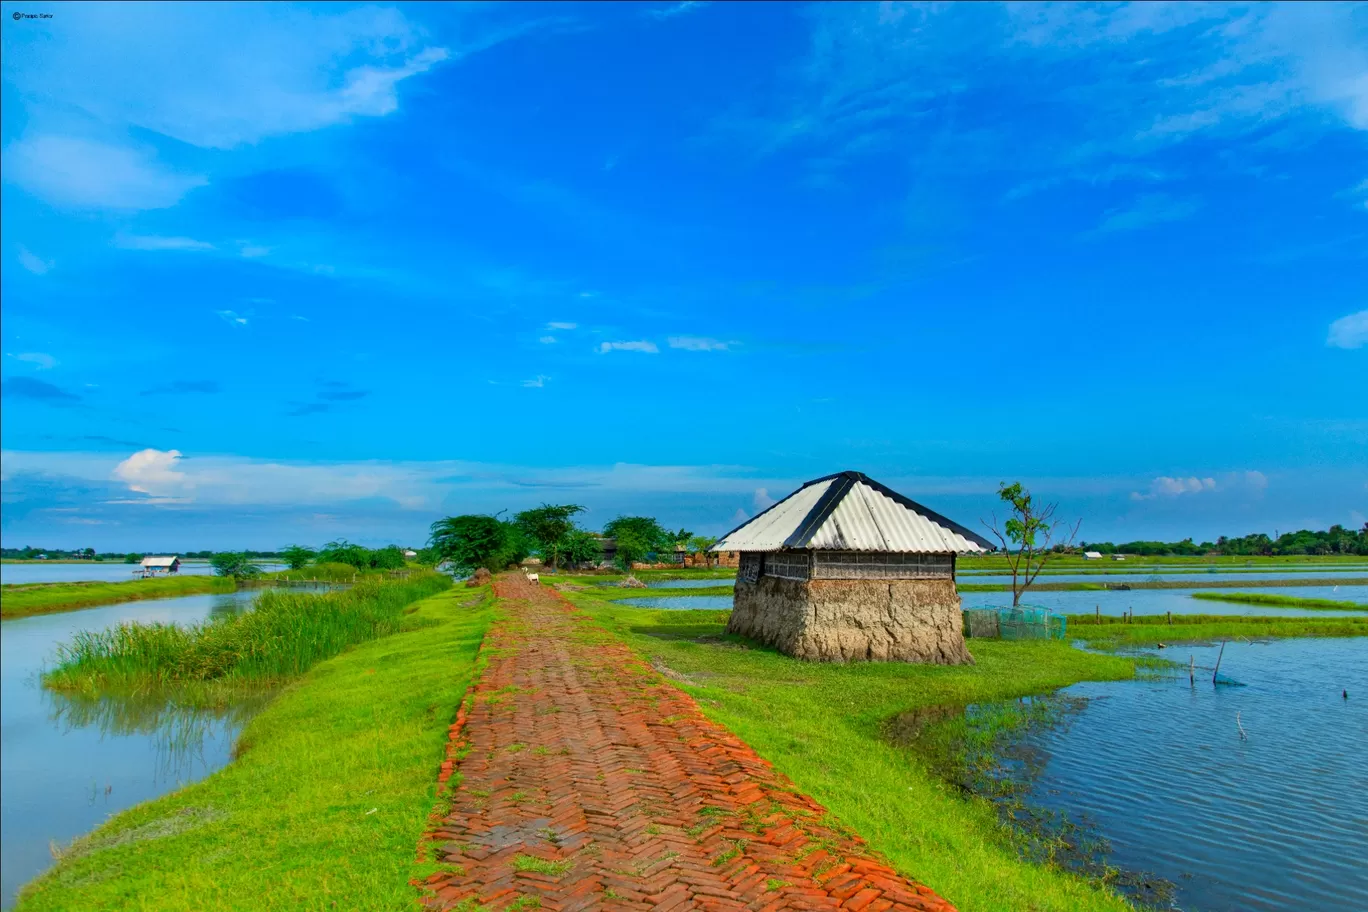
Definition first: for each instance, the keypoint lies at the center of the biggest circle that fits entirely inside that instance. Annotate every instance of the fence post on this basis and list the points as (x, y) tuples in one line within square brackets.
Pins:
[(1098, 609)]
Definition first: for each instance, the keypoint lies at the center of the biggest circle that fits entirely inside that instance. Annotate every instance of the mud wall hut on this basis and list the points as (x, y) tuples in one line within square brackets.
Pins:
[(846, 569)]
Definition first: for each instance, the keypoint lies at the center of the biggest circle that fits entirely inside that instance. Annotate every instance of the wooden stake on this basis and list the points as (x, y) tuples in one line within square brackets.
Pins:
[(1218, 662), (1192, 669)]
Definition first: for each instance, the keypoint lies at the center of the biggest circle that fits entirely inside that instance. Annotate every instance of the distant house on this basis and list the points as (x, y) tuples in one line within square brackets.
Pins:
[(155, 566), (1118, 557), (410, 555), (609, 548), (1092, 555)]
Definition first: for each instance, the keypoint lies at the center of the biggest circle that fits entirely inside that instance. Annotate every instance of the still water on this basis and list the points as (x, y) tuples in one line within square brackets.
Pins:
[(1277, 820), (97, 571), (1141, 601), (65, 764), (1310, 577)]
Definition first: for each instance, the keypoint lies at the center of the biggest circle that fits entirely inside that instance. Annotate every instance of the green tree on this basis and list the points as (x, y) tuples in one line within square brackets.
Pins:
[(699, 544), (390, 557), (235, 564), (345, 552), (133, 558), (547, 526), (637, 538), (472, 541), (1033, 530), (297, 557), (580, 547)]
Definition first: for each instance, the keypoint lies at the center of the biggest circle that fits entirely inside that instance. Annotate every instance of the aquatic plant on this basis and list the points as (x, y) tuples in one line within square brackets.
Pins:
[(285, 635)]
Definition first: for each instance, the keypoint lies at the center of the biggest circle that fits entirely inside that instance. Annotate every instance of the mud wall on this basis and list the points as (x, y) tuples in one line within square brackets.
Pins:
[(853, 620)]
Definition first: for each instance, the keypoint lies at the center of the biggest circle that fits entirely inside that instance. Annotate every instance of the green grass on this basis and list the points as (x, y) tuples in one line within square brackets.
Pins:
[(21, 599), (286, 634), (1162, 584), (326, 572), (1270, 562), (1150, 630), (1282, 601), (822, 725), (324, 805)]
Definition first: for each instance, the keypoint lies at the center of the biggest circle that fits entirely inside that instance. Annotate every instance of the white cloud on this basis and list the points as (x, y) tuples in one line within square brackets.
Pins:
[(153, 472), (156, 242), (232, 318), (1349, 332), (547, 340), (41, 360), (32, 262), (168, 69), (739, 516), (1148, 209), (252, 251), (696, 343), (642, 346), (84, 173), (562, 326), (762, 499), (675, 9), (536, 382), (1164, 486)]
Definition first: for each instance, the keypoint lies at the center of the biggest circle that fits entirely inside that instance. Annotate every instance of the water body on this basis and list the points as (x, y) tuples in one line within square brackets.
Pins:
[(1308, 576), (96, 571), (1179, 601), (66, 765), (1277, 571), (691, 583), (1275, 822), (1111, 602)]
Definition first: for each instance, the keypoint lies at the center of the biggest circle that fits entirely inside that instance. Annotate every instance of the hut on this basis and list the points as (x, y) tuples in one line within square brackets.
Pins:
[(153, 566), (846, 569)]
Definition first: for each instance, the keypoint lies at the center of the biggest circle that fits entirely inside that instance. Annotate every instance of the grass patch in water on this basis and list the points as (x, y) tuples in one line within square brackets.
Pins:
[(1281, 601), (823, 726), (281, 638), (322, 808), (22, 599), (1151, 630)]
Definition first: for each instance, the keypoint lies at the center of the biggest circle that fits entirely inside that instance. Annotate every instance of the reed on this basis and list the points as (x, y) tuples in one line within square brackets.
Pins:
[(285, 635), (1281, 601)]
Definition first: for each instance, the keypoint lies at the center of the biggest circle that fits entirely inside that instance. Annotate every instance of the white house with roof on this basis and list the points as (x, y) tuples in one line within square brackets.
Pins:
[(846, 568), (157, 566)]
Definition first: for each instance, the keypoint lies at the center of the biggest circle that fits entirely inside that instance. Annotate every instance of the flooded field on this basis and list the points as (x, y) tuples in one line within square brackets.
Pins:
[(98, 571), (1250, 797), (68, 764)]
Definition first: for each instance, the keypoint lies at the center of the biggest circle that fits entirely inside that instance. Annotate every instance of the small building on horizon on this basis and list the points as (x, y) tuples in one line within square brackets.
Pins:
[(156, 566), (847, 569), (1092, 555)]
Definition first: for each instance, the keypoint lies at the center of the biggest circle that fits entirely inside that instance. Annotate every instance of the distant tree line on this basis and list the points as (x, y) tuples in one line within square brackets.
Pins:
[(551, 533), (1335, 540)]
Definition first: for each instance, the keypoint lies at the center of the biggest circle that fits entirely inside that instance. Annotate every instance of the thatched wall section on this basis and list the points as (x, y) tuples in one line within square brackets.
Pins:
[(853, 620)]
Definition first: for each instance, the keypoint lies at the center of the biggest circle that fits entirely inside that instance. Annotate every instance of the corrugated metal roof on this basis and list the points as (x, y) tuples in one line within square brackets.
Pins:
[(851, 512), (158, 561)]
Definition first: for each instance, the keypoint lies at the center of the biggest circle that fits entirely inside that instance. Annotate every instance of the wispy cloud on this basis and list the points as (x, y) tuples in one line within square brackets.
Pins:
[(83, 173), (182, 386), (640, 346), (157, 242), (40, 360), (698, 343), (547, 340), (1149, 209), (37, 390), (1349, 331), (562, 326), (343, 395), (232, 318), (675, 9), (32, 262), (1164, 486), (536, 382)]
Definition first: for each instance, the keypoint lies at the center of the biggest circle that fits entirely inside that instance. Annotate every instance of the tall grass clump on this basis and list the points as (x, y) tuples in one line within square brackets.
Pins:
[(1280, 601), (281, 638)]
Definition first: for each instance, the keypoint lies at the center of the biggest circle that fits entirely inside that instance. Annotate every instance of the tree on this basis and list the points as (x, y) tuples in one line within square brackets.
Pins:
[(344, 552), (699, 544), (547, 526), (390, 557), (1033, 530), (297, 557), (235, 564), (580, 547), (637, 538), (471, 541)]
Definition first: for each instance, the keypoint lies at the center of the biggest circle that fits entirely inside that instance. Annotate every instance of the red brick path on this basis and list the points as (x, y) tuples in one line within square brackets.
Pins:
[(587, 782)]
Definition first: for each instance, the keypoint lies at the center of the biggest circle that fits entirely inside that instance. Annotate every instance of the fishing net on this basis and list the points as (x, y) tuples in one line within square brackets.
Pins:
[(1024, 622)]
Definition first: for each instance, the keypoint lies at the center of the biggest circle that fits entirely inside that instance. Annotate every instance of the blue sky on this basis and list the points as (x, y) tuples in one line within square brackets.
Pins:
[(289, 273)]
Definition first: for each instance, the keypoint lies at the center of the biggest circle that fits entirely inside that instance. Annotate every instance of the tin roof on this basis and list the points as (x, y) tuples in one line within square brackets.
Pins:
[(850, 511), (158, 561)]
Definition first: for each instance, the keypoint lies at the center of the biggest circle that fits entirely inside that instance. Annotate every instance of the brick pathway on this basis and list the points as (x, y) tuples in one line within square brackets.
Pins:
[(587, 782)]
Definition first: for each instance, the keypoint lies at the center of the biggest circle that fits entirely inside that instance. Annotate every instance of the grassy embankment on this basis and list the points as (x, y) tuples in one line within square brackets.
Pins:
[(1150, 630), (325, 803), (823, 726), (285, 634), (21, 599), (1040, 586), (1281, 601), (998, 562)]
